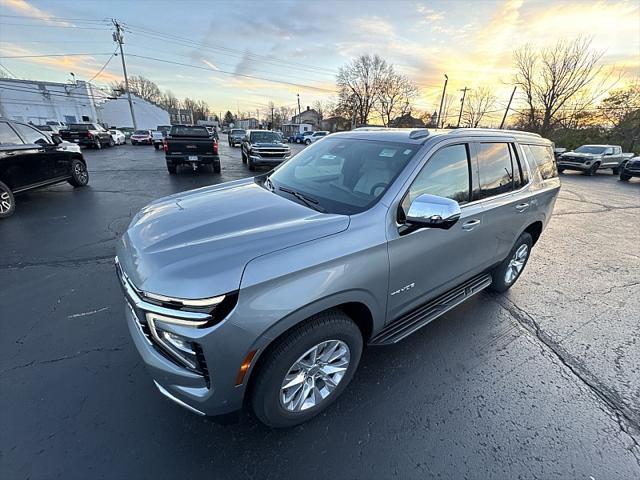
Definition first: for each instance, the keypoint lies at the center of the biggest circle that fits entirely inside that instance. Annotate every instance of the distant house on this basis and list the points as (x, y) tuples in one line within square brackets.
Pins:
[(248, 123), (116, 113), (407, 121), (310, 116), (335, 124), (180, 116)]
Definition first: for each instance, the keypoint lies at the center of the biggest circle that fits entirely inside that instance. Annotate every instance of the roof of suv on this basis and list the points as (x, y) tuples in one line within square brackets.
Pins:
[(421, 135)]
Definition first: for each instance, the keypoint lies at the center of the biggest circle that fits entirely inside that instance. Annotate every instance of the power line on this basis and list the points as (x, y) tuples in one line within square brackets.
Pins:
[(103, 67), (284, 82), (52, 26), (15, 57), (8, 71)]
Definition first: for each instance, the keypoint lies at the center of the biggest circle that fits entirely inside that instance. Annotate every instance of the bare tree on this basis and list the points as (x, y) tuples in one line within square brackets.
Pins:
[(140, 86), (320, 107), (359, 84), (550, 78), (169, 100), (395, 97), (620, 103), (479, 102)]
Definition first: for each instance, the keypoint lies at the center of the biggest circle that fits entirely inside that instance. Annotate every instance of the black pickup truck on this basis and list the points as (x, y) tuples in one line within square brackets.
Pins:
[(190, 145), (263, 147), (87, 135)]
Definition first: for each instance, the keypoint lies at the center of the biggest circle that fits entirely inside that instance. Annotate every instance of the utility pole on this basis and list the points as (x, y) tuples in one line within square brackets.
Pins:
[(464, 94), (508, 106), (117, 37), (272, 124), (444, 91), (299, 110)]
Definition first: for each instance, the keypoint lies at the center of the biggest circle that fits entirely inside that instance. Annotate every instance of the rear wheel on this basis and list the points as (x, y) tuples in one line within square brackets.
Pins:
[(172, 169), (508, 272), (79, 173), (306, 370), (7, 201), (97, 144), (216, 168), (307, 142)]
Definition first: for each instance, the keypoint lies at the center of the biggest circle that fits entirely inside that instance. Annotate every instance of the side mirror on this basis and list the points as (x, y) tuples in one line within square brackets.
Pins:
[(433, 212), (56, 139)]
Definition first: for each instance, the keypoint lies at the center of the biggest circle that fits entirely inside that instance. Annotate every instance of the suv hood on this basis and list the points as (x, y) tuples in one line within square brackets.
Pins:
[(581, 155), (196, 244)]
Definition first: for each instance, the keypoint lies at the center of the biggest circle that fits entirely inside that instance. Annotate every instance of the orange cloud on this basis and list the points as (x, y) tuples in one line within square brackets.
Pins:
[(25, 8)]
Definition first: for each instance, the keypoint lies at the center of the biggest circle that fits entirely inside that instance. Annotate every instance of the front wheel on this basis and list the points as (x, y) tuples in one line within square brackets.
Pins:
[(98, 145), (560, 169), (7, 201), (156, 146), (111, 142), (624, 177), (79, 173), (306, 370), (252, 166), (508, 272), (307, 142), (244, 157), (592, 171)]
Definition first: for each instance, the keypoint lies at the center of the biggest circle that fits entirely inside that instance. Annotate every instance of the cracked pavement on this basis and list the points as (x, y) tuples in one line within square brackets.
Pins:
[(542, 382)]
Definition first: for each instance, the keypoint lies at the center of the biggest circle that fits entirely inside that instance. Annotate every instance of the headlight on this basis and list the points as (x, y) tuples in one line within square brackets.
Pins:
[(195, 303), (179, 347)]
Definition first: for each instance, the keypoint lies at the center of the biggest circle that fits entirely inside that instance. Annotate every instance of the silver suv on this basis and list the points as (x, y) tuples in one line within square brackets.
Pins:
[(264, 291)]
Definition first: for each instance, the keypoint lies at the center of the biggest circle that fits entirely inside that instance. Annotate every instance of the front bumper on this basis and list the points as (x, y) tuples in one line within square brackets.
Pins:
[(633, 170), (575, 165), (270, 161), (224, 346)]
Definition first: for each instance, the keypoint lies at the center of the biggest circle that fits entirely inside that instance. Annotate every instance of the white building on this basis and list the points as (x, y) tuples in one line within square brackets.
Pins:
[(39, 102), (115, 113)]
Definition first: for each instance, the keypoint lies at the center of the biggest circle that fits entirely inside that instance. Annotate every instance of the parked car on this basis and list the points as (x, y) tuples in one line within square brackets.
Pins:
[(191, 145), (128, 131), (142, 137), (558, 151), (263, 147), (315, 136), (299, 137), (118, 136), (235, 136), (158, 138), (87, 135), (49, 129), (630, 168), (263, 291), (591, 158), (165, 129), (31, 159)]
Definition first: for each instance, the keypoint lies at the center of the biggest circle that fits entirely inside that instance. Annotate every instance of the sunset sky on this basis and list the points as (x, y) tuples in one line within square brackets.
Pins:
[(304, 43)]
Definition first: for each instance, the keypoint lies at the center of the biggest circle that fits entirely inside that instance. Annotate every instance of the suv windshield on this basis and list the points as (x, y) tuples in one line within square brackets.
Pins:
[(238, 132), (590, 149), (265, 137), (81, 127), (141, 132), (342, 175)]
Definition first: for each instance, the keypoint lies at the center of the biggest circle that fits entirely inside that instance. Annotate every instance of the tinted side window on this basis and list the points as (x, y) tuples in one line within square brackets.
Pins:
[(8, 136), (446, 174), (496, 172), (521, 174), (544, 160), (31, 135)]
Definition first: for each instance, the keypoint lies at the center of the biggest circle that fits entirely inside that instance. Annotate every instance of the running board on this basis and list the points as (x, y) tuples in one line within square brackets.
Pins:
[(418, 318)]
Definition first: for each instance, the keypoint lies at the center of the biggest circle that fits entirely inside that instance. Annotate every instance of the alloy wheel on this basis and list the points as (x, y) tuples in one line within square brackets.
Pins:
[(315, 375), (516, 264), (5, 202), (80, 172)]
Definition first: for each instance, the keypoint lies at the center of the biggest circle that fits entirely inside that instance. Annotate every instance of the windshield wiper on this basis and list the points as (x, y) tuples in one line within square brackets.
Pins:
[(267, 183), (307, 200)]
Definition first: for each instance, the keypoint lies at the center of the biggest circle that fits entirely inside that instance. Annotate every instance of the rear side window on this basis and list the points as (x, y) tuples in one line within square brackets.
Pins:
[(30, 134), (543, 157), (495, 168), (446, 174), (8, 136)]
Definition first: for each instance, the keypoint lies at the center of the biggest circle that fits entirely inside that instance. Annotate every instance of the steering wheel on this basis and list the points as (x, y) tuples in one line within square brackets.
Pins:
[(377, 185)]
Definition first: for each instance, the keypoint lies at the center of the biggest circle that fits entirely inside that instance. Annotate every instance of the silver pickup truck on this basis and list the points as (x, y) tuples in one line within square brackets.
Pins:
[(591, 158)]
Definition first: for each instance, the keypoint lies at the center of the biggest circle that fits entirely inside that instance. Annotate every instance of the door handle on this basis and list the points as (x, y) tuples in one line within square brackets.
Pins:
[(521, 207), (470, 225)]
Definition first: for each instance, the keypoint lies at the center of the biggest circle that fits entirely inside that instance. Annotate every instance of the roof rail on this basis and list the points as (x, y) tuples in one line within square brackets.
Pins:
[(419, 133), (492, 130)]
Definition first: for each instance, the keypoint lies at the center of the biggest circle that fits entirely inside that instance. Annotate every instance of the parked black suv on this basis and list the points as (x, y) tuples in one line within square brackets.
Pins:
[(31, 159), (87, 135)]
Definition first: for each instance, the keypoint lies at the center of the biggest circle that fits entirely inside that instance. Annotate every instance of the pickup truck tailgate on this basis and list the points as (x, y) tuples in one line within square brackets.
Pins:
[(190, 146)]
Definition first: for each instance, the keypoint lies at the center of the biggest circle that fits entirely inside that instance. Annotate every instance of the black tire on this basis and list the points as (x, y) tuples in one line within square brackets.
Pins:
[(270, 373), (499, 283), (112, 143), (79, 173), (133, 142), (252, 166), (7, 201), (97, 145), (172, 169), (307, 142), (156, 146), (244, 157), (216, 168), (560, 169), (618, 170), (592, 171), (624, 177)]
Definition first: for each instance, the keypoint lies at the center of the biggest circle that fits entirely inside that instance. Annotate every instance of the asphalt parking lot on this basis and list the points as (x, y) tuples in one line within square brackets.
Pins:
[(543, 382)]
